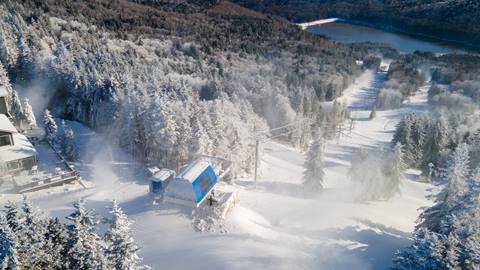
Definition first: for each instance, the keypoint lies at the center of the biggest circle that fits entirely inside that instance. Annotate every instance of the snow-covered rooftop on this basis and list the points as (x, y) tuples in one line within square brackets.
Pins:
[(193, 171), (163, 175), (3, 91), (6, 125), (21, 148)]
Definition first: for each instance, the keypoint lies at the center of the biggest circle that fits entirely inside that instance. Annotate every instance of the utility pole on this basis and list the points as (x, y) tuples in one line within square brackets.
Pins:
[(257, 144), (339, 133)]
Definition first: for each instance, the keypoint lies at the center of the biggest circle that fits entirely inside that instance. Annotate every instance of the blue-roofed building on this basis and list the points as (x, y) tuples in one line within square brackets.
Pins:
[(193, 185)]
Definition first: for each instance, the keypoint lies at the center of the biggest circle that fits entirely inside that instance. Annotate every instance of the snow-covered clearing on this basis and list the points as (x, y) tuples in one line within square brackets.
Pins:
[(274, 225), (317, 22)]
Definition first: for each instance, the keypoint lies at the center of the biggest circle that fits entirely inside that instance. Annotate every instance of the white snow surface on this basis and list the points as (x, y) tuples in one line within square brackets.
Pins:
[(274, 225), (318, 22)]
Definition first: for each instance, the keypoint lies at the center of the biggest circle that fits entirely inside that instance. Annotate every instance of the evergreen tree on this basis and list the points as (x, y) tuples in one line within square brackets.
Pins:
[(474, 143), (475, 178), (452, 252), (200, 143), (313, 175), (56, 239), (457, 174), (13, 216), (50, 127), (8, 247), (84, 247), (28, 115), (5, 82), (437, 141), (67, 142), (31, 239), (426, 253), (16, 109), (121, 250)]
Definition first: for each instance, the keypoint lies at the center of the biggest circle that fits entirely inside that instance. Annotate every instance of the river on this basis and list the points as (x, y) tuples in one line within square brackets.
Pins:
[(347, 32)]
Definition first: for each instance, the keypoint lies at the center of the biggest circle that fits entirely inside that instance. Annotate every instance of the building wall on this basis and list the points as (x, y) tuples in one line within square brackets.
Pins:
[(3, 106), (16, 166)]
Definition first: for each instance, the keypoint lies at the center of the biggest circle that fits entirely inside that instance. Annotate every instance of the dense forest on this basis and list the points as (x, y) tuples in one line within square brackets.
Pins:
[(165, 78), (455, 20)]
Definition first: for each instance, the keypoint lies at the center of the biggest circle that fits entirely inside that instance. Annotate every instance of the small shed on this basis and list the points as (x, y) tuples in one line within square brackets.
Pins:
[(192, 185), (159, 180)]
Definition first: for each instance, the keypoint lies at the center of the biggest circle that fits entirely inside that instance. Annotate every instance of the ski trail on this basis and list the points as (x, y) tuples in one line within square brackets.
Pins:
[(355, 235)]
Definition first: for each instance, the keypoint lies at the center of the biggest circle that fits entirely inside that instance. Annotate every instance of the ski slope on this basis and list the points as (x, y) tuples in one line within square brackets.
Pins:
[(275, 225)]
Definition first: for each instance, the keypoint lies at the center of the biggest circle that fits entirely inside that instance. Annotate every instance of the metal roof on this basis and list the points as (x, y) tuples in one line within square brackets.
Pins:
[(6, 125), (3, 91)]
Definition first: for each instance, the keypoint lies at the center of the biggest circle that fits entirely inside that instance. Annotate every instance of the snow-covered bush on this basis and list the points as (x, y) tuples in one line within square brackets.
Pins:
[(468, 88), (454, 102), (389, 99), (376, 175)]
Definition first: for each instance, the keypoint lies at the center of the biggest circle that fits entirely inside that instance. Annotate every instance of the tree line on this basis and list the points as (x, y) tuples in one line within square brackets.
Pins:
[(30, 240)]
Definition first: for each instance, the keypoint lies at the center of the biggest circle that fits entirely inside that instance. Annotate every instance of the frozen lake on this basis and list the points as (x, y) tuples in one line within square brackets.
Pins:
[(345, 32)]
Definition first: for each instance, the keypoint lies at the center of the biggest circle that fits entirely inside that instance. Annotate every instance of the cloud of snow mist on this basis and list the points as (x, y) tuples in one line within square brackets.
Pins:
[(102, 171), (39, 93)]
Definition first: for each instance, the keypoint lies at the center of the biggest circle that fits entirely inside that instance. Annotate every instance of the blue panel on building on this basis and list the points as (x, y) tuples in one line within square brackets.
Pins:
[(204, 184)]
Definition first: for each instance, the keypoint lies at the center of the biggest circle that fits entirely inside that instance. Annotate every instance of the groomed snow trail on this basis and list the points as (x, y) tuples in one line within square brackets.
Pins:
[(274, 226), (331, 231)]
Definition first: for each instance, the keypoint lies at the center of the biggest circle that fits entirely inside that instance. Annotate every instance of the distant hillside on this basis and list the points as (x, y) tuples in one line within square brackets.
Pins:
[(448, 19)]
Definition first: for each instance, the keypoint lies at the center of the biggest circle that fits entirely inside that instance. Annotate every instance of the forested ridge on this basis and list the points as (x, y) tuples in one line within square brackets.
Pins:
[(456, 20)]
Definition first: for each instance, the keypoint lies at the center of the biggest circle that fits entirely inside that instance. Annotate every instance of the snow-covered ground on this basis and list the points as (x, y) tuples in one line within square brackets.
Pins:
[(317, 22), (274, 225)]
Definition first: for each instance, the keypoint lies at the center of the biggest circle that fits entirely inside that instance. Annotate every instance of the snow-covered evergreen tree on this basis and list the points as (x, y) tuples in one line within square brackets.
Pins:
[(121, 250), (314, 166), (13, 216), (50, 127), (436, 142), (474, 143), (452, 252), (457, 174), (200, 142), (66, 140), (56, 239), (29, 117), (16, 109), (8, 247), (426, 253), (31, 239), (84, 246), (5, 82)]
